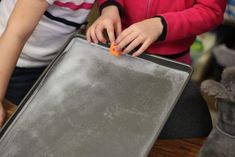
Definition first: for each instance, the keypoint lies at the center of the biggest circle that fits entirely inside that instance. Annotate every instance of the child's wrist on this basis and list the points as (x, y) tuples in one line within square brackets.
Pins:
[(114, 4), (109, 9)]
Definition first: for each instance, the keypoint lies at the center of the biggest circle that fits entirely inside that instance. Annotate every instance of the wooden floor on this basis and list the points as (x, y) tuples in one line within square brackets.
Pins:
[(162, 148), (177, 148)]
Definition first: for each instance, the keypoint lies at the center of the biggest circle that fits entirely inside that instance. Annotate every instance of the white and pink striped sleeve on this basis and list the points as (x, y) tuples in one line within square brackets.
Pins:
[(50, 1)]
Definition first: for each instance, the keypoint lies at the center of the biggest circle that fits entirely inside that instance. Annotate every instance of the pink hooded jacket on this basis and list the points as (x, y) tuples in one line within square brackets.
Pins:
[(182, 20)]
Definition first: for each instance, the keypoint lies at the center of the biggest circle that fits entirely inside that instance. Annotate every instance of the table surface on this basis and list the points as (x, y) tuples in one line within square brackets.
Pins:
[(162, 148)]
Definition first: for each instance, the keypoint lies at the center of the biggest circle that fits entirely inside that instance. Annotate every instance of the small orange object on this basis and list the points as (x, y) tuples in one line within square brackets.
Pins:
[(113, 50)]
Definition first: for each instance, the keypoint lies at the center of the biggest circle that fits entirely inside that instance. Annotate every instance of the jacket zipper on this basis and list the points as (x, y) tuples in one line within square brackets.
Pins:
[(148, 6)]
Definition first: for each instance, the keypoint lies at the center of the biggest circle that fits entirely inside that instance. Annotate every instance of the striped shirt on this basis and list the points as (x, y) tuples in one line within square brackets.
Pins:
[(58, 23)]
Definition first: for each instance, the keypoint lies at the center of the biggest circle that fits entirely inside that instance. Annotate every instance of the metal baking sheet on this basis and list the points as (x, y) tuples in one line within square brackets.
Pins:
[(92, 104)]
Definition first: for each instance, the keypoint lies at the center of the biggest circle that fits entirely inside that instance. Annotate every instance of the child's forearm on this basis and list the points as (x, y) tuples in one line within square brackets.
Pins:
[(21, 24), (10, 49)]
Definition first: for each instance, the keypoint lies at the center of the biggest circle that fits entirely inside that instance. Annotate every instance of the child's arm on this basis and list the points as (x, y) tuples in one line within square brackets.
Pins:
[(203, 16), (109, 21), (21, 24), (140, 35)]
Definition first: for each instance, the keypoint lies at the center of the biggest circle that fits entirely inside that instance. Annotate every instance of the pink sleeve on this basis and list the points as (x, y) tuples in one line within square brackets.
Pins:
[(202, 17)]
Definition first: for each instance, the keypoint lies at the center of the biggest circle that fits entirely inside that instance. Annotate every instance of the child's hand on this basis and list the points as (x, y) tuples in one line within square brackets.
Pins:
[(2, 115), (109, 21), (143, 33)]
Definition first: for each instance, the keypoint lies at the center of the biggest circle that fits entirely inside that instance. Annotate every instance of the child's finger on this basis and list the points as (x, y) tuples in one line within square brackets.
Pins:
[(132, 45), (93, 35), (118, 29), (126, 41), (110, 32), (122, 35), (88, 36), (142, 48), (99, 34)]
